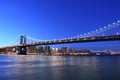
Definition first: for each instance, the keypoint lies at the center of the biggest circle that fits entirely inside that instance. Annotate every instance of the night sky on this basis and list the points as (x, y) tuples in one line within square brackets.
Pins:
[(57, 19)]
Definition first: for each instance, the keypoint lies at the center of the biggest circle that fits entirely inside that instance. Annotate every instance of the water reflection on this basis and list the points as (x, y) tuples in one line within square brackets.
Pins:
[(34, 67)]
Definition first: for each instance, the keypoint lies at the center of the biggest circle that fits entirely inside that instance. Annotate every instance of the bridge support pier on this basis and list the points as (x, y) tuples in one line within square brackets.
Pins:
[(22, 50)]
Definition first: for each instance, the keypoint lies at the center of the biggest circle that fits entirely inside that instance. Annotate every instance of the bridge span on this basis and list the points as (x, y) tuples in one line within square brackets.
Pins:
[(22, 48), (107, 33)]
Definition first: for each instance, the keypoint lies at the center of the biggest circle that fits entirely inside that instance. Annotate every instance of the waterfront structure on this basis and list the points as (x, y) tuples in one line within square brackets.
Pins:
[(54, 50), (107, 33), (64, 50)]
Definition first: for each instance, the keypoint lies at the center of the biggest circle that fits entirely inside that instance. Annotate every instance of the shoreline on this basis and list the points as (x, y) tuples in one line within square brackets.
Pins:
[(68, 54)]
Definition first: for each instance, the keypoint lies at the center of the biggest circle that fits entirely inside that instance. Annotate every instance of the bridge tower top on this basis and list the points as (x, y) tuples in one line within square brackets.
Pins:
[(23, 39)]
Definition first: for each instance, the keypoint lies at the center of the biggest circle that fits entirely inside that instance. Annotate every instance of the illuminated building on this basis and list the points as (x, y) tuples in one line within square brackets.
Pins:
[(64, 50)]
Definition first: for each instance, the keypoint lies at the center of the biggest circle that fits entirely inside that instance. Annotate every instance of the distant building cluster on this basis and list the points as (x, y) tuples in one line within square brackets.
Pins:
[(47, 50), (73, 51), (39, 50)]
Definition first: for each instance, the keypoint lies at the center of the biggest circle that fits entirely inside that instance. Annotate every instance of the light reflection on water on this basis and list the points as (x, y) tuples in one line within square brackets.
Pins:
[(36, 67)]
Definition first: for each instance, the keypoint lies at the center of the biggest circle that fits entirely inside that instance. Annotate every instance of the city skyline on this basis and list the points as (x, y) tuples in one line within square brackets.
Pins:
[(48, 20)]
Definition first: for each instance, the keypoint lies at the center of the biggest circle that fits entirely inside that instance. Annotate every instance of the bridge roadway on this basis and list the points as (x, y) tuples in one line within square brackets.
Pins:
[(73, 40)]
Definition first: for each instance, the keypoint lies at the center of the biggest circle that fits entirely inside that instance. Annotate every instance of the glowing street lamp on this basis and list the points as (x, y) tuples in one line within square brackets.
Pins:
[(118, 21), (105, 27), (88, 32), (109, 25), (117, 33), (113, 23), (100, 28), (92, 31)]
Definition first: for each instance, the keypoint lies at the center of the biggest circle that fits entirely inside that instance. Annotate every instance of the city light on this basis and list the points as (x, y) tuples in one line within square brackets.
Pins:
[(100, 28), (109, 25), (95, 36), (113, 23), (118, 21), (105, 27)]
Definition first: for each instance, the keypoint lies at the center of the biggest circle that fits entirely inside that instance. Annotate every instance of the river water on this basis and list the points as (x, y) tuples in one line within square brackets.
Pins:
[(39, 67)]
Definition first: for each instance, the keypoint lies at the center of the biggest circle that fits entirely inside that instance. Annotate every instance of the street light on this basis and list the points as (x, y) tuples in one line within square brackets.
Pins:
[(88, 32), (117, 33), (113, 23), (100, 28), (105, 27), (92, 31), (109, 25), (118, 21)]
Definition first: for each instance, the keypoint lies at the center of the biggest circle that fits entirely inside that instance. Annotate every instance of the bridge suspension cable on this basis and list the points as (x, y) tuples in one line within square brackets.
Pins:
[(31, 39), (111, 29)]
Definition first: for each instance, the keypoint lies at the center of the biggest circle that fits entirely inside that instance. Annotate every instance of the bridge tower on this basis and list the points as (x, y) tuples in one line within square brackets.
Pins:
[(22, 49), (22, 39)]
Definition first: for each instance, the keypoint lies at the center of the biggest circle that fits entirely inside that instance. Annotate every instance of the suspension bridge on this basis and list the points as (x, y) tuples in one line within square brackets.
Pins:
[(110, 32)]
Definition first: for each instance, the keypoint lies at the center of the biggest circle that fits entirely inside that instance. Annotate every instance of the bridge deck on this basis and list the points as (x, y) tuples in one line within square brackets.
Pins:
[(76, 40), (73, 40)]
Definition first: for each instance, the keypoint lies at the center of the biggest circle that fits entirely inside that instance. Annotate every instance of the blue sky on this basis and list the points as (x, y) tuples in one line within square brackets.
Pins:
[(55, 19)]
